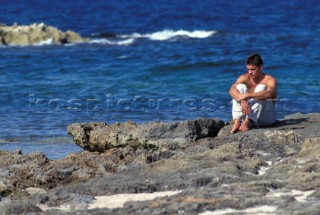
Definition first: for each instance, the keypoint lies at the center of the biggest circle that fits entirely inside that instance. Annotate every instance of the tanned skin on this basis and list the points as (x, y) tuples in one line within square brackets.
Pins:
[(251, 79)]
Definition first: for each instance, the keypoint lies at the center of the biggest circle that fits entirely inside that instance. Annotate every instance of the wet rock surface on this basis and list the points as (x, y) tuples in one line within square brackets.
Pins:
[(35, 34), (273, 170)]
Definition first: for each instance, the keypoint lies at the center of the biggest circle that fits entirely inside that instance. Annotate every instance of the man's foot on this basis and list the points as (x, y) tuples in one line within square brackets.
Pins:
[(245, 125), (236, 126)]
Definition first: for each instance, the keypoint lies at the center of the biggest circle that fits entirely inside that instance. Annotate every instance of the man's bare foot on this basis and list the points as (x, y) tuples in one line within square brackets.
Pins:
[(236, 126), (245, 125)]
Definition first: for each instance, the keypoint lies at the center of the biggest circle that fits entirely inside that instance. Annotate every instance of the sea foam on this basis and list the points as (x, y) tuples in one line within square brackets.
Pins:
[(116, 42), (128, 39), (45, 42), (169, 34), (164, 35)]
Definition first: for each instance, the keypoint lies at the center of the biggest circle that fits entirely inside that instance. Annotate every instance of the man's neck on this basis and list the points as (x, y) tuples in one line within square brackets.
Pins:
[(258, 79)]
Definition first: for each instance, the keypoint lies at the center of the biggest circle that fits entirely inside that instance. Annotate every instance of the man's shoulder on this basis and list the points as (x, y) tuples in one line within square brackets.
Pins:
[(245, 76), (269, 81), (270, 78)]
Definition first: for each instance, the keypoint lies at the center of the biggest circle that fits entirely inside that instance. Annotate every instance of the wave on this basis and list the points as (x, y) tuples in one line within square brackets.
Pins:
[(128, 39), (125, 42), (45, 42), (170, 34)]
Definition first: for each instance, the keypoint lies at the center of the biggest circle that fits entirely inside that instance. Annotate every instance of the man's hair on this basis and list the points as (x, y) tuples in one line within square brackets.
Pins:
[(254, 59)]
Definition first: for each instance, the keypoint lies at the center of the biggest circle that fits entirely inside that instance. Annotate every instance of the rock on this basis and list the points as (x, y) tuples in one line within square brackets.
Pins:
[(34, 190), (271, 170), (101, 137), (311, 148), (25, 35), (19, 151)]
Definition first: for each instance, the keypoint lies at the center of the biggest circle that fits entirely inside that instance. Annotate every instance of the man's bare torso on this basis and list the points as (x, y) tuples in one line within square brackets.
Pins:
[(252, 84)]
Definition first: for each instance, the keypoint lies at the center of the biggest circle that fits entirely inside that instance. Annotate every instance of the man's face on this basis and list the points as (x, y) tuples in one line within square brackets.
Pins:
[(253, 70)]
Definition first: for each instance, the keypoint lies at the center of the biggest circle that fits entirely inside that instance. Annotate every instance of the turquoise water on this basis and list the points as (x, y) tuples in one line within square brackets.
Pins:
[(159, 60)]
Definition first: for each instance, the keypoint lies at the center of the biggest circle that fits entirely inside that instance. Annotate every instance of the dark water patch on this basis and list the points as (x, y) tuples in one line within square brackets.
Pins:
[(183, 67), (104, 35), (25, 56)]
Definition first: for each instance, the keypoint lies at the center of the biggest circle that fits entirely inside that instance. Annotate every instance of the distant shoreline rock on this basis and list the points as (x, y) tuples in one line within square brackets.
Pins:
[(34, 34)]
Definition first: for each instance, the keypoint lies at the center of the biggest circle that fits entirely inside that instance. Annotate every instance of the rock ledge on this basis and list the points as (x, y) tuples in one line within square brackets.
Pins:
[(101, 137)]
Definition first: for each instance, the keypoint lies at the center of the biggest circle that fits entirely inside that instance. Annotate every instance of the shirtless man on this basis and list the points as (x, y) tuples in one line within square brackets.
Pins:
[(253, 97)]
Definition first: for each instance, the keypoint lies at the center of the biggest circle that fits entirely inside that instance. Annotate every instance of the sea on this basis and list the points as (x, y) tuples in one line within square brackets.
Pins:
[(155, 60)]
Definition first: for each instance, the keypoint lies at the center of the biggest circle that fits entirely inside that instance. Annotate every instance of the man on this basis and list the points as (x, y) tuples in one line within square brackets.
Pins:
[(253, 97)]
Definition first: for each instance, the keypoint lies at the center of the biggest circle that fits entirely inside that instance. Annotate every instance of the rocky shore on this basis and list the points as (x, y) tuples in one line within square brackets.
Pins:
[(185, 167), (36, 34)]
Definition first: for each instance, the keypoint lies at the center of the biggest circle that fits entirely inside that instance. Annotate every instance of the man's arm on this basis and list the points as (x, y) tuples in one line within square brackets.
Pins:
[(270, 93)]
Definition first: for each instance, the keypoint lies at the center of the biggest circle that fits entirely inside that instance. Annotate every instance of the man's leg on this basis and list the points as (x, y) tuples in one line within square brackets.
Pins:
[(245, 126), (256, 109), (262, 112), (237, 114), (236, 125), (268, 114)]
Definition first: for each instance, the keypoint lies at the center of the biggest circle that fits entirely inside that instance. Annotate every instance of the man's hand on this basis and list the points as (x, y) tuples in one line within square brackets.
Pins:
[(242, 96), (245, 107)]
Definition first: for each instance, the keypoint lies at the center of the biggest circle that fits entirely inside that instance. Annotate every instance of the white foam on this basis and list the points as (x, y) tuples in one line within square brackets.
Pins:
[(45, 42), (110, 42), (130, 38), (169, 34)]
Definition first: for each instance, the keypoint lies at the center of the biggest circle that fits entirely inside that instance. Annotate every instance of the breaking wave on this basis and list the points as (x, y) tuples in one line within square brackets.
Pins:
[(111, 42), (170, 34), (45, 42), (128, 39)]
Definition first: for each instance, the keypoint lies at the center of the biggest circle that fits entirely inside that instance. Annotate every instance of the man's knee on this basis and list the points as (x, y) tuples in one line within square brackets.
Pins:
[(260, 87), (242, 88)]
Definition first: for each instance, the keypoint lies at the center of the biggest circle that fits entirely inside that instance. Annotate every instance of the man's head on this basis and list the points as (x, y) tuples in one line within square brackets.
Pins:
[(254, 66), (255, 59)]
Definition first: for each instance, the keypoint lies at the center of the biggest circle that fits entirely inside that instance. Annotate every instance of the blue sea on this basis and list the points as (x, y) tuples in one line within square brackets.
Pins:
[(149, 61)]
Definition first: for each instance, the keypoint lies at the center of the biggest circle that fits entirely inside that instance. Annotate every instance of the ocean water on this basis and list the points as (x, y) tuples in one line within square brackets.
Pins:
[(149, 60)]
